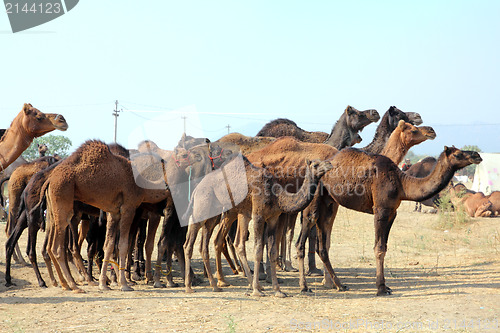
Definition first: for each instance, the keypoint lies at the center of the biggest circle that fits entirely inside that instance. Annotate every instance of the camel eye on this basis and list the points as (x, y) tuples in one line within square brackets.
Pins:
[(414, 131)]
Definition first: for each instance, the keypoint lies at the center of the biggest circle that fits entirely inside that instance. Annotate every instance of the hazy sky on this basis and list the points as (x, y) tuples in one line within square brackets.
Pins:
[(244, 63)]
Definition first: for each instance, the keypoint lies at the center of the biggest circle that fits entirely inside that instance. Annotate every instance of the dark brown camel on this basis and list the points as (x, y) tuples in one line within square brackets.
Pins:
[(76, 178), (286, 127), (252, 193), (29, 124), (373, 184)]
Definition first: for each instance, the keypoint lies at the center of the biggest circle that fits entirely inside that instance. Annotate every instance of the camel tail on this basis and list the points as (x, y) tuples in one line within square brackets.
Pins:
[(2, 202), (41, 202)]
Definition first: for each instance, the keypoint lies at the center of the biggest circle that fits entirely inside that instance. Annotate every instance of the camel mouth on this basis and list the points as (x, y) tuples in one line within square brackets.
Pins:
[(475, 158), (373, 115), (62, 127), (414, 118), (428, 132)]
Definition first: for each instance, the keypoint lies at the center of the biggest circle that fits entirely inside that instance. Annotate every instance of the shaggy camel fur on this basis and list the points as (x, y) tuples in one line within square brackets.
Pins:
[(255, 194), (387, 125), (351, 121), (475, 204), (93, 166), (247, 144), (373, 184), (286, 127), (29, 124)]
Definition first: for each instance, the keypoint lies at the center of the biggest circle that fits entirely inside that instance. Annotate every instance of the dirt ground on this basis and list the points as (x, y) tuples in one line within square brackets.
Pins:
[(444, 278)]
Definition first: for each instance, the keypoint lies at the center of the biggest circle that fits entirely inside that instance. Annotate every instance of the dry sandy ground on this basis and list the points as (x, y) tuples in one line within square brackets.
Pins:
[(444, 279)]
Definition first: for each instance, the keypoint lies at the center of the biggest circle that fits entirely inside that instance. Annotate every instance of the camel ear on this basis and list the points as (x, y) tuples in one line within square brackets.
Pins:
[(27, 108), (349, 110), (447, 150), (392, 111), (402, 124), (207, 140)]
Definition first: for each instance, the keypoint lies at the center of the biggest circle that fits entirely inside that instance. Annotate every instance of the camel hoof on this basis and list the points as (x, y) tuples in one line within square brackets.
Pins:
[(385, 291), (280, 294), (222, 284), (189, 291), (104, 287), (126, 288), (327, 284), (235, 272), (159, 285), (42, 284), (343, 288), (78, 291), (132, 282), (315, 272), (258, 293), (9, 284), (306, 291), (217, 289), (172, 285)]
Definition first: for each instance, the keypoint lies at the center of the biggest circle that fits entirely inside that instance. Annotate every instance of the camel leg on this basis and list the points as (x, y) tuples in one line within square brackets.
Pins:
[(127, 217), (14, 236), (109, 243), (83, 230), (324, 230), (51, 238), (163, 245), (16, 255), (384, 218), (274, 231), (47, 258), (188, 252), (207, 230), (290, 230), (306, 226), (239, 244), (154, 222), (75, 247), (312, 235), (219, 242), (259, 224)]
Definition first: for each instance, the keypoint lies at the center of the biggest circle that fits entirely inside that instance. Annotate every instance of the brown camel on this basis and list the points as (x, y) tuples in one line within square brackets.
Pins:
[(29, 124), (17, 183), (475, 204), (286, 127), (420, 170), (91, 167), (42, 149), (252, 193), (403, 138), (247, 144), (373, 184), (387, 125), (494, 198)]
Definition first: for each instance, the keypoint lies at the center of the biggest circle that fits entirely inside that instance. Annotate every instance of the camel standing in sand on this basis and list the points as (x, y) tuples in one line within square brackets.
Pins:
[(254, 194), (29, 124), (373, 184), (93, 166)]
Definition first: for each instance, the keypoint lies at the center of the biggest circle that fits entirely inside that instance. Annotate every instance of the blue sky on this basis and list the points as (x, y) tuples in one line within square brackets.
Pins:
[(244, 63)]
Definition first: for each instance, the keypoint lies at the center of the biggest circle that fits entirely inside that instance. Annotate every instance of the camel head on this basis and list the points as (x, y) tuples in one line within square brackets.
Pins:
[(37, 123), (459, 159), (395, 115), (318, 168), (42, 149), (484, 209), (58, 121), (181, 157), (411, 135), (358, 120)]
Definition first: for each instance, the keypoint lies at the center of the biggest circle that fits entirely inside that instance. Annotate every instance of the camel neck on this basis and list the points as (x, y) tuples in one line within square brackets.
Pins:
[(340, 136), (395, 148), (379, 141), (420, 189), (15, 140)]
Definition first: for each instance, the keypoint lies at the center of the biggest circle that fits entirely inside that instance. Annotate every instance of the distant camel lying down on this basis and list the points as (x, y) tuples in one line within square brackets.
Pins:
[(475, 204)]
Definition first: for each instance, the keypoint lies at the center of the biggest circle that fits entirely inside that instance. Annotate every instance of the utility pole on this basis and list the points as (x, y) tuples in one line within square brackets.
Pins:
[(184, 118), (115, 113), (228, 128)]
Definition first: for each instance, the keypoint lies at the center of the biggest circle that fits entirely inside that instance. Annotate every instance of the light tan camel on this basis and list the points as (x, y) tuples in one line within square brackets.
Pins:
[(475, 204), (252, 193), (373, 184), (29, 124), (92, 166), (494, 198), (247, 144)]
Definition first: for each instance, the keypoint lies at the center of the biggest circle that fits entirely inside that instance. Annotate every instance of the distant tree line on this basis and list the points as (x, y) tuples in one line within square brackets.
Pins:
[(56, 144)]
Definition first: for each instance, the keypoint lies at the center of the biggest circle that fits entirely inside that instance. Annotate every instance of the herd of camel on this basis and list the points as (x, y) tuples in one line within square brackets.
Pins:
[(114, 198)]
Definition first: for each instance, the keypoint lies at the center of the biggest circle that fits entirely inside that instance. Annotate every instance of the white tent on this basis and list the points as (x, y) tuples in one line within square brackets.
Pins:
[(487, 176)]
